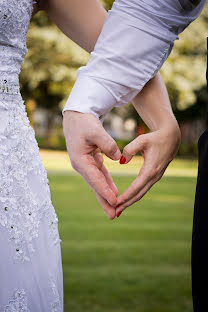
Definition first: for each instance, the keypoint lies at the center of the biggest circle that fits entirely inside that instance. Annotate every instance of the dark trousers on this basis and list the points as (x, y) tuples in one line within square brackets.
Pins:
[(199, 256)]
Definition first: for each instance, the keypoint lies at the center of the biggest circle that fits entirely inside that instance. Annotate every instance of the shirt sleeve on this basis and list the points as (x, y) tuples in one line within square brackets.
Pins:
[(126, 56)]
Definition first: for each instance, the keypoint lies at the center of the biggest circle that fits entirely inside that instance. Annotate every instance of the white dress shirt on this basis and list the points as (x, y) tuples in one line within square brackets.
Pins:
[(136, 39)]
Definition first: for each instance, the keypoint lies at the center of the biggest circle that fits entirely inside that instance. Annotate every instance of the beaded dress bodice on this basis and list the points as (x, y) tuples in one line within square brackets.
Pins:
[(14, 22)]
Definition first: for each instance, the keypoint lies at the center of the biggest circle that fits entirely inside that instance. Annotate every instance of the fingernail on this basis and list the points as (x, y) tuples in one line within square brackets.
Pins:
[(118, 213), (122, 160)]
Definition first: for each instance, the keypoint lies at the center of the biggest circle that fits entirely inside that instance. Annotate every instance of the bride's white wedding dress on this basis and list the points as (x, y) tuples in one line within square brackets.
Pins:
[(30, 255)]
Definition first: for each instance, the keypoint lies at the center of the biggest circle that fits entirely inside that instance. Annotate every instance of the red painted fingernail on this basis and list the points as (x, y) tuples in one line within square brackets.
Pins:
[(118, 213), (122, 160)]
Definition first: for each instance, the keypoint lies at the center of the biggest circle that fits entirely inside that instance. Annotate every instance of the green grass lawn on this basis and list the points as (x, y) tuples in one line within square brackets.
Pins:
[(138, 262)]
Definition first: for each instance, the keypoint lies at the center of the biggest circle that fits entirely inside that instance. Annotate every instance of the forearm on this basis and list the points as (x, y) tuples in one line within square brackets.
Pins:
[(79, 20), (82, 22), (123, 60), (154, 107)]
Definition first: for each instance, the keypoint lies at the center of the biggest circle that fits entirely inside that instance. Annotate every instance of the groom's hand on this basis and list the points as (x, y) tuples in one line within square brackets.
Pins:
[(85, 139)]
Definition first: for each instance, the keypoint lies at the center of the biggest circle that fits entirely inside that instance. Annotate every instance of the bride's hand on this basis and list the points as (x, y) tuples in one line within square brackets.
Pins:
[(158, 149), (85, 139)]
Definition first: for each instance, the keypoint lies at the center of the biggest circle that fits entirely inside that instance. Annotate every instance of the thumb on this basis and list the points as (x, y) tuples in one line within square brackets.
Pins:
[(135, 146), (107, 144)]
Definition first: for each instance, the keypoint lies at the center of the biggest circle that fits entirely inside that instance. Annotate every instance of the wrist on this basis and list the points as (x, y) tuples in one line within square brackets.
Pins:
[(70, 114), (172, 130), (169, 126), (163, 121)]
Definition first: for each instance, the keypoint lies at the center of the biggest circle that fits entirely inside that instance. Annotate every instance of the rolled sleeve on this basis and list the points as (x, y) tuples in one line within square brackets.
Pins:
[(125, 58), (90, 96)]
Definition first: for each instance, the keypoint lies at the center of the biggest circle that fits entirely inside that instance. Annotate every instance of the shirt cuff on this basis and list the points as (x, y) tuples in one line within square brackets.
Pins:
[(90, 96)]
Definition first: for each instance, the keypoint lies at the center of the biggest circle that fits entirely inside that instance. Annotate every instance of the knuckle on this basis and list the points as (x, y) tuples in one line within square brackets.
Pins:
[(143, 138), (93, 132), (112, 147), (153, 173), (74, 165), (160, 177), (127, 150)]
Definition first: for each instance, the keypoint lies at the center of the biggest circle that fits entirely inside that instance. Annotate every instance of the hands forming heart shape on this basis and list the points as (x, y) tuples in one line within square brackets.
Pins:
[(86, 139)]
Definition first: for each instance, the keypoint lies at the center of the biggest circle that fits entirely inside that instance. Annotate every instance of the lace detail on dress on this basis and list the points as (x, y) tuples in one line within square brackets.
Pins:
[(56, 304), (21, 210), (14, 22), (28, 221), (22, 203), (18, 303)]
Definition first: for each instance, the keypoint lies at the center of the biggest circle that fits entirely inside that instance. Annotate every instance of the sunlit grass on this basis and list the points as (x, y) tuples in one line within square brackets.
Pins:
[(138, 262), (58, 161)]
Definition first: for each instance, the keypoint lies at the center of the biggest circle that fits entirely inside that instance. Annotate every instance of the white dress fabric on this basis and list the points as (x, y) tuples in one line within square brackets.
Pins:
[(31, 277), (136, 39)]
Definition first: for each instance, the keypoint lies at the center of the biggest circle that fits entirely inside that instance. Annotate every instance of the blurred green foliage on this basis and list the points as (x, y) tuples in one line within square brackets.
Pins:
[(50, 67)]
